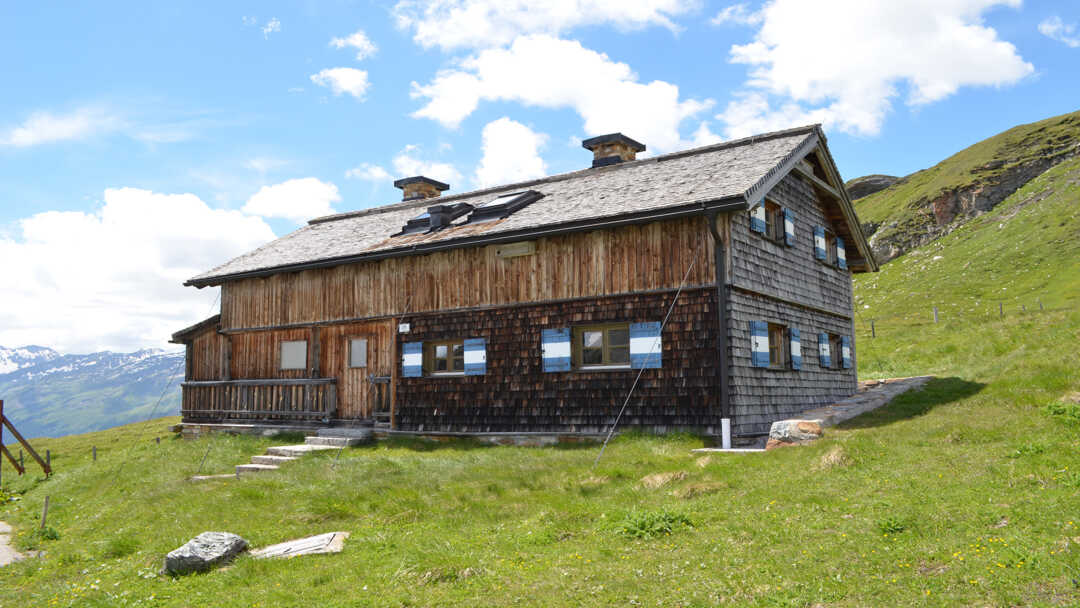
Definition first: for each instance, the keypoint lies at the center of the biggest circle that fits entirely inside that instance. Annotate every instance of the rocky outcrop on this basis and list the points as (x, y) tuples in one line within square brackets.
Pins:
[(949, 209), (869, 184), (205, 551)]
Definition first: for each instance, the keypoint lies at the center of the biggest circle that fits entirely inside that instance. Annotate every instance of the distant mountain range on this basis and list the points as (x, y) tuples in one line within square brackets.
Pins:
[(49, 394)]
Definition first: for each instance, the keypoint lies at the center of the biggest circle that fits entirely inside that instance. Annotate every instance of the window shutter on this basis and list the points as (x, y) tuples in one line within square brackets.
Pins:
[(556, 350), (645, 345), (789, 227), (757, 218), (845, 347), (796, 349), (759, 344), (475, 357), (823, 350), (841, 253), (412, 359), (819, 243)]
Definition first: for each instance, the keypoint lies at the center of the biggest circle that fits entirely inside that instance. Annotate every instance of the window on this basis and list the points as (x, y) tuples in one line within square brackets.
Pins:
[(774, 221), (445, 357), (836, 348), (830, 247), (358, 352), (602, 345), (294, 354), (504, 205), (778, 346)]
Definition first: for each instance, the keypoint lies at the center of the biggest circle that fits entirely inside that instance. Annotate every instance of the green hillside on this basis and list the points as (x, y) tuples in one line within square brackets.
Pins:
[(905, 211), (964, 494)]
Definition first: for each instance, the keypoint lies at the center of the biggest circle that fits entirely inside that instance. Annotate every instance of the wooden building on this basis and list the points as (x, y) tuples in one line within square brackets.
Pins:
[(712, 286)]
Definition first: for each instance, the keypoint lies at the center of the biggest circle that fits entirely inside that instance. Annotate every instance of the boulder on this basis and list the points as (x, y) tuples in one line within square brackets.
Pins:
[(791, 432), (205, 551)]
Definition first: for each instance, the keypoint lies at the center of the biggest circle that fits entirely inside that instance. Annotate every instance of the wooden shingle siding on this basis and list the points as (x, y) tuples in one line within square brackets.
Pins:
[(789, 273), (598, 263), (517, 395)]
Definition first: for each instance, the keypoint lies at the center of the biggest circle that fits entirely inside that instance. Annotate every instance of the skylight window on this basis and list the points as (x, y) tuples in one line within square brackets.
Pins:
[(419, 223), (504, 205), (435, 218)]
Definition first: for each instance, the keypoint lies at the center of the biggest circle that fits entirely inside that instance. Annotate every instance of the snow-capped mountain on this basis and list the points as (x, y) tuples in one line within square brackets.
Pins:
[(49, 394), (12, 359)]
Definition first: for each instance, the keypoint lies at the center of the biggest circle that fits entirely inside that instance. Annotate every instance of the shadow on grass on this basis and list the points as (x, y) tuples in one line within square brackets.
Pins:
[(937, 391)]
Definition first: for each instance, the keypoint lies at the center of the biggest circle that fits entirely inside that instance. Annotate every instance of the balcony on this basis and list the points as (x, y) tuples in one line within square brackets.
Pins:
[(313, 399)]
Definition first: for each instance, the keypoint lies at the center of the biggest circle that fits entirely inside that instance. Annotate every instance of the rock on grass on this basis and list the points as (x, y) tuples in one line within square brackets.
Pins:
[(658, 480), (205, 551)]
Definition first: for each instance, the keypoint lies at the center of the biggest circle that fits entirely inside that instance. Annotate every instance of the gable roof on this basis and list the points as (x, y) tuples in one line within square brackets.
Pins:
[(720, 177)]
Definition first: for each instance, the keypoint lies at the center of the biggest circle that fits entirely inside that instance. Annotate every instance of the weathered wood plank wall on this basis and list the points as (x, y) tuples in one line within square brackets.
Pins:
[(602, 262), (208, 355), (258, 354)]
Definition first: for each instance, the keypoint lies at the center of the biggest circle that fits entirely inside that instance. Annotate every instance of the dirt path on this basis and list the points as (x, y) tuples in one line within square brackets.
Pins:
[(7, 553)]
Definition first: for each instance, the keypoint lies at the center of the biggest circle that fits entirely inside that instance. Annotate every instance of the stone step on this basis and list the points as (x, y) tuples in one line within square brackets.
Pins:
[(336, 442), (296, 450), (362, 432), (278, 460), (255, 468)]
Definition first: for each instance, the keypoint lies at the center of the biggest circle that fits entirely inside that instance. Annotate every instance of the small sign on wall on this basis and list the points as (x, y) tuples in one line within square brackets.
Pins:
[(403, 328)]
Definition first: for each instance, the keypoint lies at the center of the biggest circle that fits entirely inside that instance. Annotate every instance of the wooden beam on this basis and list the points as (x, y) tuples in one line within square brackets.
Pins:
[(14, 463), (11, 427), (817, 181)]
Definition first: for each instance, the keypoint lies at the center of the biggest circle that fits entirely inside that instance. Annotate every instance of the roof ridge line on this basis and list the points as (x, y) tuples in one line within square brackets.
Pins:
[(564, 176)]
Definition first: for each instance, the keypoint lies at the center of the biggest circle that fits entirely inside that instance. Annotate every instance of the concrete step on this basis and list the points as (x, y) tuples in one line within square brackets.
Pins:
[(278, 460), (254, 468), (362, 432), (296, 450), (336, 442)]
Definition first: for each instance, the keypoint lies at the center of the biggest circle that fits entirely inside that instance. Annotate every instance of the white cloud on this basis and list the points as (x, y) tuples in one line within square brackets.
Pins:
[(358, 40), (406, 164), (455, 24), (548, 72), (1056, 29), (263, 164), (368, 172), (296, 199), (511, 154), (343, 80), (739, 14), (248, 20), (112, 278), (844, 62), (46, 127), (273, 25)]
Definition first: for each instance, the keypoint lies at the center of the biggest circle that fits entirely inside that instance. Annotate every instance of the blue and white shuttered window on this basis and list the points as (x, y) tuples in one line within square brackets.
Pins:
[(841, 254), (824, 350), (789, 227), (821, 251), (758, 219), (412, 359), (645, 345), (555, 349), (444, 358), (796, 348), (772, 345), (609, 346), (845, 351)]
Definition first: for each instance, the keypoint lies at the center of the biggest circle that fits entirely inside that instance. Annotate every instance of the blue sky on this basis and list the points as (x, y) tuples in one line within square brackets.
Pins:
[(142, 143)]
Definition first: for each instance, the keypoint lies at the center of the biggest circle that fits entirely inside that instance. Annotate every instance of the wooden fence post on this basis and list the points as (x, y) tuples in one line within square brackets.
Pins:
[(1040, 305), (935, 314), (93, 450), (1001, 310), (873, 332)]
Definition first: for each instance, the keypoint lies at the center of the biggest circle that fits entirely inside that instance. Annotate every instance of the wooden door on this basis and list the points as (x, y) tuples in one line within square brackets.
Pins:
[(365, 361)]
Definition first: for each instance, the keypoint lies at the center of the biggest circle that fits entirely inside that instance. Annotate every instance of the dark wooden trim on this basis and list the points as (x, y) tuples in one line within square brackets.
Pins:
[(398, 317), (769, 296), (721, 312), (263, 382)]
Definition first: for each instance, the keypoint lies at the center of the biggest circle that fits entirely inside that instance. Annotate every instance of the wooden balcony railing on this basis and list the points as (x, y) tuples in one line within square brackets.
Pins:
[(274, 399)]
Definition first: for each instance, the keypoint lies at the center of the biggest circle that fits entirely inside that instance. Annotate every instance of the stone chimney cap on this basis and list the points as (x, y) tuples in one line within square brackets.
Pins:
[(612, 138), (420, 179)]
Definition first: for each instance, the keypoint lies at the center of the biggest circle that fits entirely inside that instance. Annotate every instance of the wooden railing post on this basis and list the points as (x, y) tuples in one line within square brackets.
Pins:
[(11, 427)]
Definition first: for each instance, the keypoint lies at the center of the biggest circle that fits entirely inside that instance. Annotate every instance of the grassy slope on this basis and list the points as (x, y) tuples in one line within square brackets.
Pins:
[(964, 494), (1015, 146)]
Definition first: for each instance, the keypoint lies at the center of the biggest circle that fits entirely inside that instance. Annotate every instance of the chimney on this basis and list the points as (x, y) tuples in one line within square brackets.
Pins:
[(420, 187), (612, 148)]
